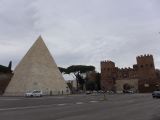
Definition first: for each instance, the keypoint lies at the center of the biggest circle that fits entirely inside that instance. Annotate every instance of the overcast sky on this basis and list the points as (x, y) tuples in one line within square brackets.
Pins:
[(81, 31)]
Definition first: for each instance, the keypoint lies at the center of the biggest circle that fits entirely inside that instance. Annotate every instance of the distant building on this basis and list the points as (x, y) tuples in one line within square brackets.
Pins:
[(72, 84), (144, 71)]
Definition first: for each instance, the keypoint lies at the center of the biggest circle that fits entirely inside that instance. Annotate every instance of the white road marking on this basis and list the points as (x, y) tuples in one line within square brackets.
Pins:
[(39, 106), (45, 98), (61, 104), (21, 108), (93, 101), (30, 107), (10, 99), (79, 103)]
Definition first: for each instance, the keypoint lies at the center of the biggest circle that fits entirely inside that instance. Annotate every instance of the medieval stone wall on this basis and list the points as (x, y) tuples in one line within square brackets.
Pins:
[(4, 81), (144, 70)]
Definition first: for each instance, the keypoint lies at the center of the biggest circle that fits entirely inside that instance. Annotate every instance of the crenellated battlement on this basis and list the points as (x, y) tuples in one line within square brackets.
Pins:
[(145, 59), (125, 69), (107, 62), (145, 56)]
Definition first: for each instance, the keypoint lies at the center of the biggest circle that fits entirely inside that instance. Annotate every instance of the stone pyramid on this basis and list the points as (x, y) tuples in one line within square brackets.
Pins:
[(37, 71)]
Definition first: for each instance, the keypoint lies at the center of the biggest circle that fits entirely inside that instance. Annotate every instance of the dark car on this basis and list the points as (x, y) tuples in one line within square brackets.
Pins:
[(128, 91), (156, 94)]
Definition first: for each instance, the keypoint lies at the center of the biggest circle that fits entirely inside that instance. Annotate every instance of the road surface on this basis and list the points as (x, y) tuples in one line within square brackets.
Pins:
[(81, 107)]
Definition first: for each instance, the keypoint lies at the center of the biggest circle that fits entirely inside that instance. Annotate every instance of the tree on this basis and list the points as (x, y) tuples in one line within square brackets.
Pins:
[(90, 85), (93, 81), (98, 81), (80, 69), (79, 72), (62, 70)]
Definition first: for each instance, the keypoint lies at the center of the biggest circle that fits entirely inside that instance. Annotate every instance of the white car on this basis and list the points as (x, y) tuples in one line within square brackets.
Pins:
[(35, 93)]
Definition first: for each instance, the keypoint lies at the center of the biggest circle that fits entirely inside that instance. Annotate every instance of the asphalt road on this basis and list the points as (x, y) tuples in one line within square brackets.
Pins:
[(81, 107)]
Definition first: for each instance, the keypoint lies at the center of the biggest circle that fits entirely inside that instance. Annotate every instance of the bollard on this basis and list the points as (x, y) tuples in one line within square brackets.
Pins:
[(104, 97)]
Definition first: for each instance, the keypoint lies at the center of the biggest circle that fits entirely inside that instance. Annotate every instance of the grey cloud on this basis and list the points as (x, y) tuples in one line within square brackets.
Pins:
[(17, 18), (81, 31)]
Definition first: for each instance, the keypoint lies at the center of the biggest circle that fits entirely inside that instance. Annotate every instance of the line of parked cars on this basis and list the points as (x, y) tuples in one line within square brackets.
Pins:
[(39, 93), (111, 92)]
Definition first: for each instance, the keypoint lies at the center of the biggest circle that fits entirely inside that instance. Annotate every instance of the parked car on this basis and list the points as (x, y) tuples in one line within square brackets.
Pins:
[(101, 91), (88, 92), (128, 91), (110, 92), (35, 93), (156, 94)]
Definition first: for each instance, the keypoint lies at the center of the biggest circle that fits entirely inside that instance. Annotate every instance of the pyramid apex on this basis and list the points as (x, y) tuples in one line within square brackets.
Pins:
[(39, 41), (40, 38)]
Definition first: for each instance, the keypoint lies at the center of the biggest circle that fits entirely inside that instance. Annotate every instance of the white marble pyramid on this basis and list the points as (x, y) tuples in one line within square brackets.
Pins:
[(37, 71)]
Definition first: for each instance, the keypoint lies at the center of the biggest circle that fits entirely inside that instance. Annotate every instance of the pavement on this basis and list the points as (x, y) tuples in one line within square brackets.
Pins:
[(81, 107)]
